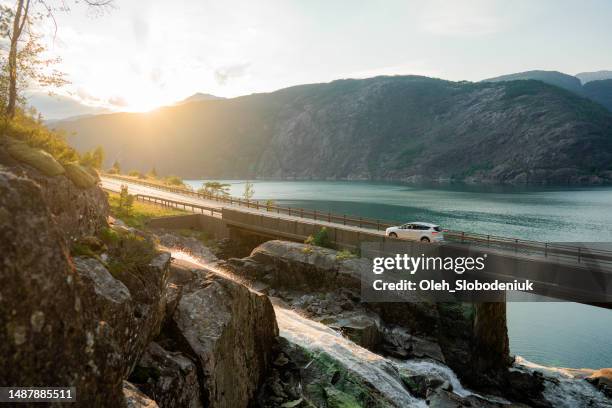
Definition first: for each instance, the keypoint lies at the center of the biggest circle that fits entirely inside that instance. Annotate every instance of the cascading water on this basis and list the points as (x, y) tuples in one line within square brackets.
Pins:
[(567, 390)]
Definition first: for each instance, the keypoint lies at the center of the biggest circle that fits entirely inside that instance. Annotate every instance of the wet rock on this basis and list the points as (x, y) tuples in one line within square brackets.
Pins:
[(400, 343), (188, 244), (230, 331), (602, 379), (134, 398), (169, 378), (441, 398), (361, 328)]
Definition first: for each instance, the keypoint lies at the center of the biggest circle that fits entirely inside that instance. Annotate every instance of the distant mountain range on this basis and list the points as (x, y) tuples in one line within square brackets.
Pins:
[(407, 128), (593, 85)]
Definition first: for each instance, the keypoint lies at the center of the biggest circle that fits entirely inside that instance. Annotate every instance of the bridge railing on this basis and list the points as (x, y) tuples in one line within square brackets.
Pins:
[(546, 249)]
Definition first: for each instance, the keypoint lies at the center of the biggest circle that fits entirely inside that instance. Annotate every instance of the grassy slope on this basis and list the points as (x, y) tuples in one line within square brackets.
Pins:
[(141, 212)]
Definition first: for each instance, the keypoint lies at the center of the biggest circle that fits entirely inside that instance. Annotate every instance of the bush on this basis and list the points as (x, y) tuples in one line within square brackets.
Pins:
[(321, 238), (126, 202), (174, 181), (345, 254)]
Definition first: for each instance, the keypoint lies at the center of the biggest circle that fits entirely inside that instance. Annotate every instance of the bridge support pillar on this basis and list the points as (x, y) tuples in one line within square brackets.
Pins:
[(491, 346)]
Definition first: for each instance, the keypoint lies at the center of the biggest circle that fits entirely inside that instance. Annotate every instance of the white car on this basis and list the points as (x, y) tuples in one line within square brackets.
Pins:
[(417, 231)]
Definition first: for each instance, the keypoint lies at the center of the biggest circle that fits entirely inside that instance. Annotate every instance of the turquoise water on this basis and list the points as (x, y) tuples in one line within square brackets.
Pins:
[(551, 333)]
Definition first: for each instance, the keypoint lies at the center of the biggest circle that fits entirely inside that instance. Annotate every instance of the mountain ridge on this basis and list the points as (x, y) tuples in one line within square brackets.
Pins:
[(404, 128)]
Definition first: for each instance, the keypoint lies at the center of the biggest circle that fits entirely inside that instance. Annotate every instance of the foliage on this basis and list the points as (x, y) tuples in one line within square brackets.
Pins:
[(115, 169), (141, 212), (126, 202), (131, 252), (345, 254), (34, 133), (269, 204), (321, 238), (174, 181), (249, 191), (94, 159), (152, 173), (215, 188), (135, 173)]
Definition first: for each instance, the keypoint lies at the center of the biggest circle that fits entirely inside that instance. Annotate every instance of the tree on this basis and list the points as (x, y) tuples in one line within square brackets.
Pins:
[(126, 201), (152, 173), (93, 159), (215, 188), (24, 62), (116, 169), (98, 157), (249, 191)]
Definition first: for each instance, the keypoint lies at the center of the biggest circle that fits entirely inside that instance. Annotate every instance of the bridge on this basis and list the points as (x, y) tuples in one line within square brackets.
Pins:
[(573, 271)]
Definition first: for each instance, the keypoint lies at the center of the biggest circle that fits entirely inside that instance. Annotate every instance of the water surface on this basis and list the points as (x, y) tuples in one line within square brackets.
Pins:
[(556, 333)]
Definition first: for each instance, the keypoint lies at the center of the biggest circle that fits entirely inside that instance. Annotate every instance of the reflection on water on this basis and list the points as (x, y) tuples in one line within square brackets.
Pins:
[(564, 334)]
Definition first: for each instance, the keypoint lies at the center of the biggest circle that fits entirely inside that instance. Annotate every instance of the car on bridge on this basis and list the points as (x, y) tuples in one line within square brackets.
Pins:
[(417, 231)]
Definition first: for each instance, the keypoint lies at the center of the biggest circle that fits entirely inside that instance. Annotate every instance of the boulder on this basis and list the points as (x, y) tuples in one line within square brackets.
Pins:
[(126, 316), (77, 212), (361, 328), (169, 378), (134, 398), (229, 330), (79, 175), (37, 158), (45, 335), (312, 267)]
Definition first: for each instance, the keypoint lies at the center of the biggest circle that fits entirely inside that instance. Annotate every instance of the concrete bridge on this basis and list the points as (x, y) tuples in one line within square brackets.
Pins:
[(573, 272)]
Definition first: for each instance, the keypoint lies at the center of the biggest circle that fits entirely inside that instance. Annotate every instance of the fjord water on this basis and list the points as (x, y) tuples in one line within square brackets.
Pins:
[(551, 333)]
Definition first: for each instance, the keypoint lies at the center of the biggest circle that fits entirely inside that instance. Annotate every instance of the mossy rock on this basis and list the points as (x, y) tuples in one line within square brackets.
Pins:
[(93, 172), (37, 158), (340, 399), (79, 176)]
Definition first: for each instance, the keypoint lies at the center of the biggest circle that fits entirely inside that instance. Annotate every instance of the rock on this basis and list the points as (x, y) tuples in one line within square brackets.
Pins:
[(124, 320), (402, 344), (441, 398), (77, 212), (230, 331), (188, 244), (312, 269), (134, 398), (602, 379), (37, 158), (45, 335), (361, 328), (169, 378), (340, 399), (79, 175)]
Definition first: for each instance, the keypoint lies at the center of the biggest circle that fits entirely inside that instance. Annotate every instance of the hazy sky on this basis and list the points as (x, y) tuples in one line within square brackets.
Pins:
[(144, 54)]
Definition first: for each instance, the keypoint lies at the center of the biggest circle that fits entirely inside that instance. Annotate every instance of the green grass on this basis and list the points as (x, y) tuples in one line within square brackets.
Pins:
[(141, 212)]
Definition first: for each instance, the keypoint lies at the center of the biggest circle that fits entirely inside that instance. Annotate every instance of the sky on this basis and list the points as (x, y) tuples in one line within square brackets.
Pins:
[(144, 54)]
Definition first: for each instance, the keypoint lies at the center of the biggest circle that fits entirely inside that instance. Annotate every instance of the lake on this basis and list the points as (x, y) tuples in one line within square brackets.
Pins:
[(551, 333)]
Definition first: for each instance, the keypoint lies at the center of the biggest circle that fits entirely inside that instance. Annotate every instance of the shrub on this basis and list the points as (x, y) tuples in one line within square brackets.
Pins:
[(345, 254), (321, 238), (126, 202)]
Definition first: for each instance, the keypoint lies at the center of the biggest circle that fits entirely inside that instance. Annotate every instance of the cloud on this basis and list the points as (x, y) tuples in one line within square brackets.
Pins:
[(461, 18), (140, 28), (225, 73), (118, 101)]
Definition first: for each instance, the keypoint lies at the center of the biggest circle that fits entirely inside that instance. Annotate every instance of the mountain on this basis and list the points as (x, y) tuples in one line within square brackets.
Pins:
[(600, 91), (556, 78), (58, 107), (406, 128), (586, 77), (199, 97)]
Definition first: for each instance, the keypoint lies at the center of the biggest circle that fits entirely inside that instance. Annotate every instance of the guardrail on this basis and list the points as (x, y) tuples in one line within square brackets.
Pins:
[(178, 204), (580, 254)]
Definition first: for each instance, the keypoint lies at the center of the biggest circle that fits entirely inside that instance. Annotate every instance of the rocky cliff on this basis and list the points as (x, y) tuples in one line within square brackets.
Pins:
[(88, 304), (386, 128)]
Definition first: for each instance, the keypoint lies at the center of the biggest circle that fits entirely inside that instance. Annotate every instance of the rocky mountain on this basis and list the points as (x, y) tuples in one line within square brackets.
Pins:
[(586, 77), (407, 128), (565, 81), (199, 97), (600, 91)]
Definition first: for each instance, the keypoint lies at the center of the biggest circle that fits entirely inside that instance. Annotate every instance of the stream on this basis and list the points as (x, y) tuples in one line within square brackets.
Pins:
[(566, 388)]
